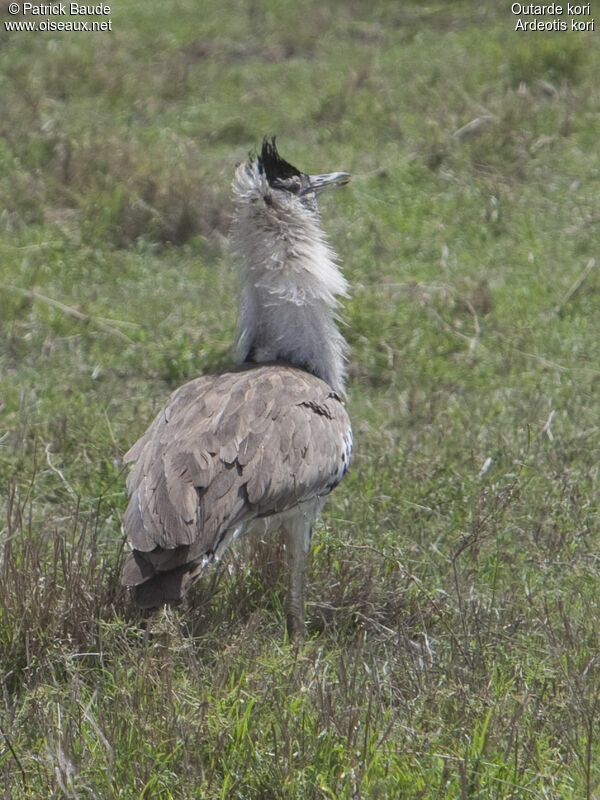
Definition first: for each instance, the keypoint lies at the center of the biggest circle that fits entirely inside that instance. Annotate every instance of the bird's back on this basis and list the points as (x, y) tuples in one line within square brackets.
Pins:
[(256, 441)]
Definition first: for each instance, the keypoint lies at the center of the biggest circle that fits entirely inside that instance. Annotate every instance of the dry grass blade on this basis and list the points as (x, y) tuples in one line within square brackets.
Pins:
[(33, 294), (575, 286)]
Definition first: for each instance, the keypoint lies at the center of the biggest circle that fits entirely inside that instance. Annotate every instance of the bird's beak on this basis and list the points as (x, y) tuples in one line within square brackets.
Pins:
[(319, 182)]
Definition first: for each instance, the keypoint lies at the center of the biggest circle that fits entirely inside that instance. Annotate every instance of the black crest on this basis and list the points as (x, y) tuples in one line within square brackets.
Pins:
[(273, 165)]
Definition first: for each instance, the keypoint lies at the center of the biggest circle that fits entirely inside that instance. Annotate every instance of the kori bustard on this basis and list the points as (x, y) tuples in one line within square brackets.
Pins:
[(263, 444)]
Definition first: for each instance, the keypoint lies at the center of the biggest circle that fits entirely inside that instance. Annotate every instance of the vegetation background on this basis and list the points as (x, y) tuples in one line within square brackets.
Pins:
[(453, 624)]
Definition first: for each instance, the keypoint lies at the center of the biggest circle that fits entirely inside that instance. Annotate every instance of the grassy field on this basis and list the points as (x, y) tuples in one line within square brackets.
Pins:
[(453, 643)]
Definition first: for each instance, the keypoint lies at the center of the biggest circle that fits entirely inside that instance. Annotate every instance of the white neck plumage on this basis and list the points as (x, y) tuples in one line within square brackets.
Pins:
[(290, 280)]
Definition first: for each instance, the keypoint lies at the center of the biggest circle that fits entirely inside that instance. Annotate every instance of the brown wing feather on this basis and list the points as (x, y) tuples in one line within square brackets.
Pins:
[(225, 449)]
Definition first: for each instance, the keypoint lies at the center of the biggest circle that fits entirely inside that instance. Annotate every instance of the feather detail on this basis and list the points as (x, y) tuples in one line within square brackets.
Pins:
[(195, 476), (290, 281)]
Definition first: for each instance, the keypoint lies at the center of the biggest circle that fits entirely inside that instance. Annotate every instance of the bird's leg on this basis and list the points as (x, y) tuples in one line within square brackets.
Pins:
[(297, 540)]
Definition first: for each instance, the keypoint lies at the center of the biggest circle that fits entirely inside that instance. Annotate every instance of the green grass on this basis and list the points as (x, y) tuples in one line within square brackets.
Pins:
[(453, 611)]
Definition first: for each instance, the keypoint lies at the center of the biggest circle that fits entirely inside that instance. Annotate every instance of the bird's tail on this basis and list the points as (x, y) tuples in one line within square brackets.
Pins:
[(152, 589)]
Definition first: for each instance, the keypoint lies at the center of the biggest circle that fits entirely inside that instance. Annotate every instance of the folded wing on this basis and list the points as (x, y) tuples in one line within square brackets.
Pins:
[(225, 449)]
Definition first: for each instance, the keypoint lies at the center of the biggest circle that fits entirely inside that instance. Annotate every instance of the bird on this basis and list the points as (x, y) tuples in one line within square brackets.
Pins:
[(259, 446)]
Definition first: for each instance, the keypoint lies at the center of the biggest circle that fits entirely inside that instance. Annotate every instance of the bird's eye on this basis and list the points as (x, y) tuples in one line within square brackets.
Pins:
[(292, 184)]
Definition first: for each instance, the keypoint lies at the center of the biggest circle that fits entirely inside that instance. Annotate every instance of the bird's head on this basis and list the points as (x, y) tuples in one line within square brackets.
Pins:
[(279, 183)]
